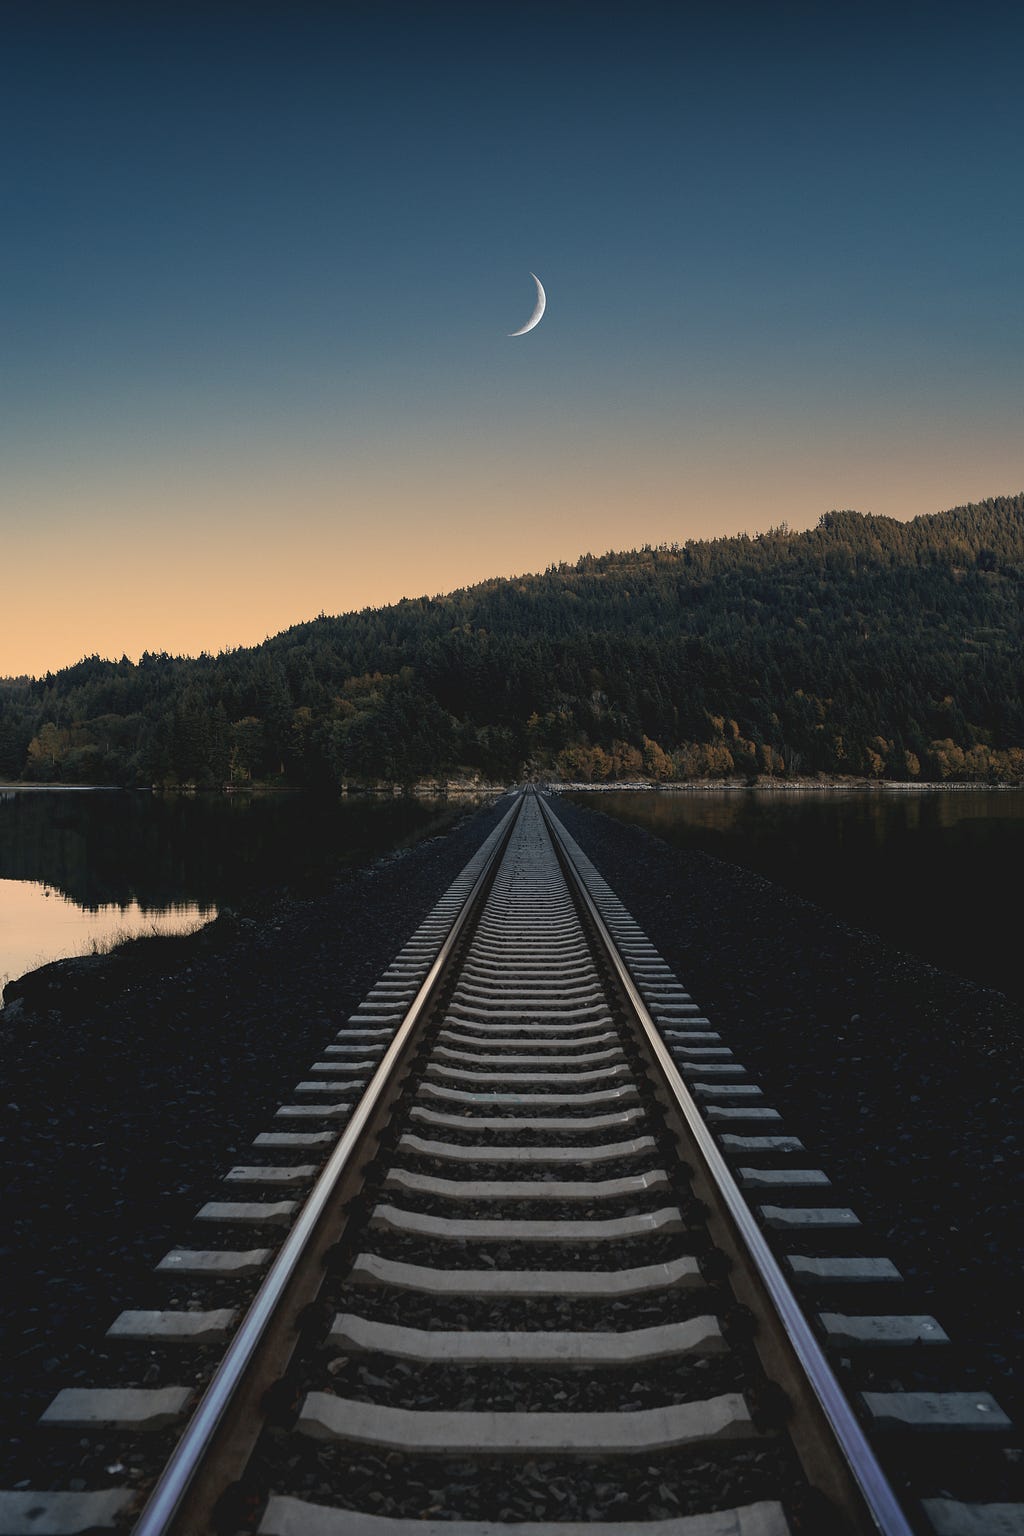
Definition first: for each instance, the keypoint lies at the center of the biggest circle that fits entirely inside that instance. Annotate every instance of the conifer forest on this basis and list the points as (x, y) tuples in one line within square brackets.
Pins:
[(866, 646)]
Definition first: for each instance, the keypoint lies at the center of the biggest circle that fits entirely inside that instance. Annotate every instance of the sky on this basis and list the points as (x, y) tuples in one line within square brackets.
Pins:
[(259, 263)]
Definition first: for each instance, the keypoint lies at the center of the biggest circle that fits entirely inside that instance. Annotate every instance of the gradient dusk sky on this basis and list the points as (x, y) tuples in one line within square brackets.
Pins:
[(258, 264)]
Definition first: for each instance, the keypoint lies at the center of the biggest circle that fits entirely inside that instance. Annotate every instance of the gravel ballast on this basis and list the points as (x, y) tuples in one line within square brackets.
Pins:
[(133, 1082), (903, 1082)]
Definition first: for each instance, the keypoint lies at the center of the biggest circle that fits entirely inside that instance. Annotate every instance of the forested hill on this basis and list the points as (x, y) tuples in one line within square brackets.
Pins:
[(864, 646)]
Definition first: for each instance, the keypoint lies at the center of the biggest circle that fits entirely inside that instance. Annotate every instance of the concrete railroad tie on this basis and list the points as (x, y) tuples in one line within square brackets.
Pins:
[(294, 1517)]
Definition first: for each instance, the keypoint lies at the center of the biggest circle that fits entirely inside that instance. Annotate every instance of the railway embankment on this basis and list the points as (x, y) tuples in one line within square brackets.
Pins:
[(906, 1081), (131, 1078), (136, 1077)]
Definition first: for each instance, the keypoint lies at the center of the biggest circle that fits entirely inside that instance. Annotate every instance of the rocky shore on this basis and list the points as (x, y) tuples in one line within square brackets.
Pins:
[(132, 1082)]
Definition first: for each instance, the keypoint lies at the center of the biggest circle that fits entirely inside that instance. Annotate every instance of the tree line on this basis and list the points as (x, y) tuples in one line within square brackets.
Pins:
[(864, 646)]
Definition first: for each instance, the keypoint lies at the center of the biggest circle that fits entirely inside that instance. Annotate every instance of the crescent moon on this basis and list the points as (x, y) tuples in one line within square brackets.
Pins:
[(538, 311)]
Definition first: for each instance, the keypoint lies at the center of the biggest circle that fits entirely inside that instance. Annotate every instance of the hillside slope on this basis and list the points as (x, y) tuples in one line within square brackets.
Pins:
[(865, 646)]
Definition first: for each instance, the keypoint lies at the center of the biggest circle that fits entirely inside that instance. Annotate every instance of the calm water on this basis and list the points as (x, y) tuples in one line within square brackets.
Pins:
[(936, 873), (79, 867)]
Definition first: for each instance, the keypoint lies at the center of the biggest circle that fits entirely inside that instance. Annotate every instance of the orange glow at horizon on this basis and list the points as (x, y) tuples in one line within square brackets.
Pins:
[(257, 354), (220, 560)]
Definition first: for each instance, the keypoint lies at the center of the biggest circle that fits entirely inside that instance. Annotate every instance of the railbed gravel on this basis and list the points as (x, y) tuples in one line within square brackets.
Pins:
[(504, 1389), (903, 1081), (646, 1488), (133, 1081), (627, 1253), (549, 1313)]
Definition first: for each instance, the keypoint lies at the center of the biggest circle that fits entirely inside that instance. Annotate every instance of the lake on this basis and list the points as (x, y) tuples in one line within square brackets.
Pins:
[(934, 872), (927, 870), (83, 867)]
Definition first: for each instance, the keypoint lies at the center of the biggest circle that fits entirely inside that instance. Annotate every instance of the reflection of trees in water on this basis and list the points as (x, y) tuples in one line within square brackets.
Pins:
[(920, 869), (103, 848), (830, 814)]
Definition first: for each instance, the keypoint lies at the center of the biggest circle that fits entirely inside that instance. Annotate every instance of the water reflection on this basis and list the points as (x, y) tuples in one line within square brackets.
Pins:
[(39, 923), (172, 858), (929, 871)]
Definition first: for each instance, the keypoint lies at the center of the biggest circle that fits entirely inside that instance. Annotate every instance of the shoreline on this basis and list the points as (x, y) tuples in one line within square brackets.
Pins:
[(449, 789), (463, 797), (116, 920), (148, 950), (783, 786), (425, 790)]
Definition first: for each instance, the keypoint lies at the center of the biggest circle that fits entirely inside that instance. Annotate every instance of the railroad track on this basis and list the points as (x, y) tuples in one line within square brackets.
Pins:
[(525, 1252)]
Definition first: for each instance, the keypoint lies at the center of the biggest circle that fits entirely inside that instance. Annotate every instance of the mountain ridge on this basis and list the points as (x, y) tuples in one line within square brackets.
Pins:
[(864, 646)]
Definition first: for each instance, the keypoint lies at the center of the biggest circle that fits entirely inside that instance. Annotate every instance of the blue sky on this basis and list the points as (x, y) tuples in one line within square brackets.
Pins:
[(259, 263)]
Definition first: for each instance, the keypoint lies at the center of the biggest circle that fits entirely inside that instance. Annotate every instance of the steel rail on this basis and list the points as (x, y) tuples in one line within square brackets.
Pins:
[(171, 1489), (867, 1475)]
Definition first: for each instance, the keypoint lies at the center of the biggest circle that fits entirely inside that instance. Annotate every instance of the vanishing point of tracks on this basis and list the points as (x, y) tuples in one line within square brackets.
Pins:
[(520, 1287)]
